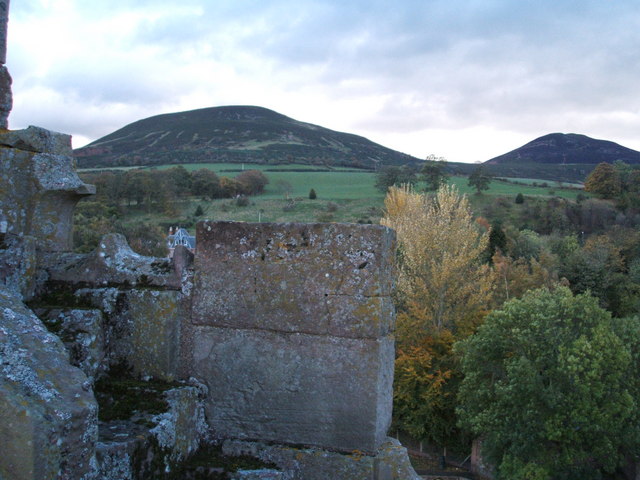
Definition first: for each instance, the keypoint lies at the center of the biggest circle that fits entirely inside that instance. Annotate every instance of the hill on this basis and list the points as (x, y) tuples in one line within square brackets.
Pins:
[(234, 134), (568, 149)]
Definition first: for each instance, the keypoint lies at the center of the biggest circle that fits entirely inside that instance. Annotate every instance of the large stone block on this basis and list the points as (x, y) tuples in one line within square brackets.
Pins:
[(49, 414), (4, 20), (292, 331), (295, 388), (325, 279)]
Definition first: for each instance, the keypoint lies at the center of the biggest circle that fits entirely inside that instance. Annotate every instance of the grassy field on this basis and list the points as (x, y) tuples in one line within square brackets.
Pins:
[(342, 196), (344, 183)]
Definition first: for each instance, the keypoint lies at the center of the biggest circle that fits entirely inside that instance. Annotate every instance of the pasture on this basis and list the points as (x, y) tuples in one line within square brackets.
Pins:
[(343, 195)]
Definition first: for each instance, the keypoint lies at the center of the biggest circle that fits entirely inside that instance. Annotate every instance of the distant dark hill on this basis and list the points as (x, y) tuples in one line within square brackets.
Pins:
[(570, 148), (233, 134)]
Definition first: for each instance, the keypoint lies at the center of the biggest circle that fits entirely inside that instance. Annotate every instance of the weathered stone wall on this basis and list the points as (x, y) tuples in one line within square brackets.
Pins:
[(40, 187), (6, 99), (293, 332), (48, 413)]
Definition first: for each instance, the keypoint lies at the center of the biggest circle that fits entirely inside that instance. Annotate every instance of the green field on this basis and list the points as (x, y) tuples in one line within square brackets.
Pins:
[(344, 183), (343, 195)]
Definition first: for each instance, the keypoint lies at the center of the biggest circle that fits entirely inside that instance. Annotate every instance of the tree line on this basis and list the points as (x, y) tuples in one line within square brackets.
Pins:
[(158, 188), (433, 173), (150, 190)]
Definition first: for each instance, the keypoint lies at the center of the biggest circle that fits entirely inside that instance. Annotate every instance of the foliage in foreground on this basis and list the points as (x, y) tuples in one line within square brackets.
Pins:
[(550, 385)]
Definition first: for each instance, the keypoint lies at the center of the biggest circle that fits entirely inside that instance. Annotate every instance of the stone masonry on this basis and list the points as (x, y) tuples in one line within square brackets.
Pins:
[(293, 332)]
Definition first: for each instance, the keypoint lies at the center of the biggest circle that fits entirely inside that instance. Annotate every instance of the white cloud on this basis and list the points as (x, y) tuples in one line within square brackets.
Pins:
[(460, 79)]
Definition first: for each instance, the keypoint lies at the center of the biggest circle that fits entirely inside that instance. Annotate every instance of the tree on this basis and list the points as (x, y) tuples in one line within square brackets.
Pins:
[(479, 179), (179, 181), (391, 175), (312, 194), (230, 187), (443, 291), (497, 240), (604, 181), (433, 172), (440, 267), (546, 387), (205, 183), (253, 181), (519, 198)]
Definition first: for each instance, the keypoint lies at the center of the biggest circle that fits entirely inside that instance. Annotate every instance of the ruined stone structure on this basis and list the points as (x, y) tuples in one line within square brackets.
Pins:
[(275, 342)]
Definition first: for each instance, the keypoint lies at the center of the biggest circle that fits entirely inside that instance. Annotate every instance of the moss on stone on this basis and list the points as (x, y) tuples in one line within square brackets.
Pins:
[(120, 397), (205, 462)]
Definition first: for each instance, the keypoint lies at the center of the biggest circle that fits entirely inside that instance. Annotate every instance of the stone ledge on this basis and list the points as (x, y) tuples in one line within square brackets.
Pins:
[(39, 140), (390, 462)]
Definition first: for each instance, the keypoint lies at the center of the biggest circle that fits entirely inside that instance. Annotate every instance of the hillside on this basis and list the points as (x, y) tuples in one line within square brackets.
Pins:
[(233, 134), (568, 149)]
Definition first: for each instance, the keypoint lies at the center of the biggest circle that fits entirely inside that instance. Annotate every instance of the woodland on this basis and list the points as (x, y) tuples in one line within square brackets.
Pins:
[(522, 331)]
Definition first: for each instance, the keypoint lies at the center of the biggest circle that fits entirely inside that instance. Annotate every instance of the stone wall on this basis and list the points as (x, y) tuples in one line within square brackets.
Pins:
[(6, 99), (293, 332)]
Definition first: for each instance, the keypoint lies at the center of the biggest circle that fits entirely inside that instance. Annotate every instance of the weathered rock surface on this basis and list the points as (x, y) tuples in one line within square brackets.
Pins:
[(82, 332), (6, 97), (18, 264), (293, 330), (113, 263), (390, 462), (48, 411), (38, 140), (142, 328), (296, 388), (40, 191), (325, 279), (150, 446)]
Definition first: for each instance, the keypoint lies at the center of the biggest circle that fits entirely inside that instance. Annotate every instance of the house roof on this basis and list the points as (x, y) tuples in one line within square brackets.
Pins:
[(181, 237)]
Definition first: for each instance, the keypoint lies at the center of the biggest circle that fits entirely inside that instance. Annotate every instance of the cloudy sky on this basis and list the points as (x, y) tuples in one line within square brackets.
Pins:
[(463, 79)]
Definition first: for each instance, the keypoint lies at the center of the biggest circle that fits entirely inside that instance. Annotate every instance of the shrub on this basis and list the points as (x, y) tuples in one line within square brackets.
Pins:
[(520, 198), (242, 201), (312, 194)]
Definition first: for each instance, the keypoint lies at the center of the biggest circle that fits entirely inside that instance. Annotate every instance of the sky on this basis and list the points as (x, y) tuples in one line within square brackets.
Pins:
[(463, 79)]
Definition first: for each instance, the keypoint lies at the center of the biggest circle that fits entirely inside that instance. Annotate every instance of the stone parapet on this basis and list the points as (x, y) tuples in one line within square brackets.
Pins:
[(293, 332)]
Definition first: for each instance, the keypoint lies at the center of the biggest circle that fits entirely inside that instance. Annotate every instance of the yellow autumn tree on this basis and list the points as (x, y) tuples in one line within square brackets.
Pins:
[(444, 291), (442, 282)]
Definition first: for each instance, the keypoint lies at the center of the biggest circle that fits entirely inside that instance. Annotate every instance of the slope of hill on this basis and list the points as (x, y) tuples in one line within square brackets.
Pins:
[(567, 149), (233, 134)]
